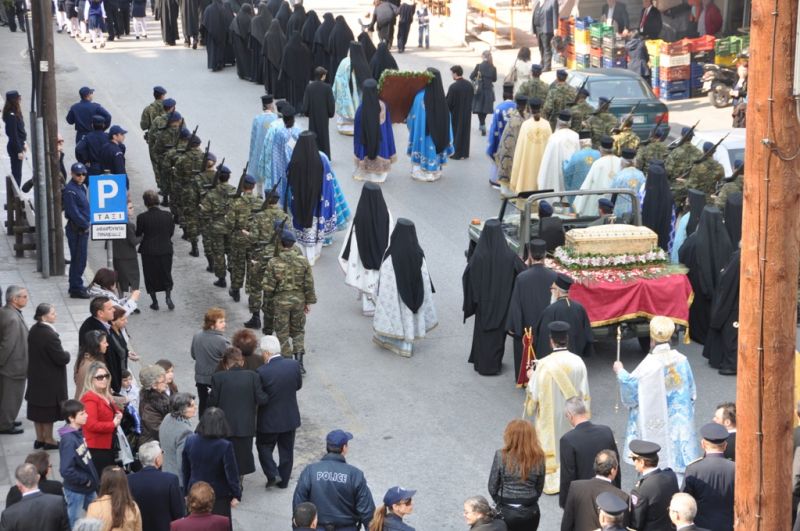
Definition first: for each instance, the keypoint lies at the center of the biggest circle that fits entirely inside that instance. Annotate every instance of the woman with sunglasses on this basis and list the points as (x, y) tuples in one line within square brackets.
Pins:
[(397, 503), (103, 416)]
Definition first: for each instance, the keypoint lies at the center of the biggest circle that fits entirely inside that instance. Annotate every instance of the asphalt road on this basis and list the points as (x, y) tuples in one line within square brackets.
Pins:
[(429, 422)]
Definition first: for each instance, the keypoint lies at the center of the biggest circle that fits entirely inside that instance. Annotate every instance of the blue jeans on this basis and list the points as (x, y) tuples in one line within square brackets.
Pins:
[(78, 250), (425, 31), (77, 503)]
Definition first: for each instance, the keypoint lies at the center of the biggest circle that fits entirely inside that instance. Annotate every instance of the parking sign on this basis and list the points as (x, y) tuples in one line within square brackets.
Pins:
[(108, 206)]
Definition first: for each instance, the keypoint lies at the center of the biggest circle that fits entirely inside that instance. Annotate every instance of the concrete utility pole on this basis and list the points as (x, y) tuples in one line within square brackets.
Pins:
[(768, 296)]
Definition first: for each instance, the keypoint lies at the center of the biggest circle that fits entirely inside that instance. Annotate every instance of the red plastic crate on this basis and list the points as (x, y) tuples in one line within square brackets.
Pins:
[(702, 44), (676, 73), (676, 48)]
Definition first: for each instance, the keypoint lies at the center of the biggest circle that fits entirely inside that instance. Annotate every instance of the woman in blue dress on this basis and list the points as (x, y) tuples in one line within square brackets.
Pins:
[(373, 141), (430, 135), (350, 76)]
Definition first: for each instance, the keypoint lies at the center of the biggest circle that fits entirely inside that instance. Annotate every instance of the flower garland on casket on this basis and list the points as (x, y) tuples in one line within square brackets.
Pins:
[(397, 88), (590, 268)]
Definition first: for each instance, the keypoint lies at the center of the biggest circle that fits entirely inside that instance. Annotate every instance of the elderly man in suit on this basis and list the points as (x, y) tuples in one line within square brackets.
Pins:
[(579, 447), (280, 417), (580, 513), (545, 25), (682, 510), (616, 14), (36, 510), (13, 359), (157, 493)]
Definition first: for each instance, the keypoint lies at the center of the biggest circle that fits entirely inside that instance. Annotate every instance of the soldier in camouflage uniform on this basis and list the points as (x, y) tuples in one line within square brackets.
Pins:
[(652, 149), (534, 87), (170, 159), (733, 184), (706, 173), (601, 122), (559, 97), (165, 139), (289, 283), (239, 219), (153, 110), (214, 207), (678, 163), (581, 110), (186, 189), (158, 124), (263, 243), (626, 138), (205, 182)]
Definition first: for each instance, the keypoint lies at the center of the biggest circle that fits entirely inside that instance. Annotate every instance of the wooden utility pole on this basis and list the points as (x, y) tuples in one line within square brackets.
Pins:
[(768, 293)]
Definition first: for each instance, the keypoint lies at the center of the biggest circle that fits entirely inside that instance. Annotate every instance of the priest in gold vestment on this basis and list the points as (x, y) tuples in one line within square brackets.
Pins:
[(531, 143), (551, 382)]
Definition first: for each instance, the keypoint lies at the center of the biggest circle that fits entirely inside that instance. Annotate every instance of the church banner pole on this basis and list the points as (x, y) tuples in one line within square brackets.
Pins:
[(768, 291), (619, 348)]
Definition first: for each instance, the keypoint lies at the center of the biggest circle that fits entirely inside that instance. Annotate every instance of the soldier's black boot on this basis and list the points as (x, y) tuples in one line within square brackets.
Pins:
[(210, 267), (154, 306), (170, 304), (299, 358), (195, 251), (165, 200), (254, 322), (221, 282), (234, 293)]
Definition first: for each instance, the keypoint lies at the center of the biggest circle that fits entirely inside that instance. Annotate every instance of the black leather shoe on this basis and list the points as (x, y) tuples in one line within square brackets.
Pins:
[(170, 304), (37, 445), (79, 295), (728, 372), (48, 446), (17, 423), (272, 482), (154, 306), (12, 431)]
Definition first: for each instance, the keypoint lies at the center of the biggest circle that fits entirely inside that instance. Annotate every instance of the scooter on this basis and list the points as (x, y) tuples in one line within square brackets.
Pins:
[(718, 81)]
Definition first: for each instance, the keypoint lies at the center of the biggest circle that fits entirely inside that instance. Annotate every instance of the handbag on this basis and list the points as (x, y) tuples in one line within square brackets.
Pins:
[(511, 77), (476, 83), (513, 516)]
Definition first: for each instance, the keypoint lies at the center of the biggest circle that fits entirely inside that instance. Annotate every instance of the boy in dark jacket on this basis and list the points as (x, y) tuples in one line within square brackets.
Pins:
[(77, 469)]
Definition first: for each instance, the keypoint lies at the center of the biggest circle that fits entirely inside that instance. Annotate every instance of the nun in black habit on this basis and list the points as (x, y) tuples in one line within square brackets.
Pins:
[(258, 28), (273, 6), (488, 281), (581, 338), (338, 44), (169, 21), (721, 346), (733, 217), (240, 38), (295, 69), (216, 21), (297, 20), (272, 51), (310, 27), (658, 207), (190, 21), (283, 16), (705, 253), (366, 42), (319, 50), (382, 60)]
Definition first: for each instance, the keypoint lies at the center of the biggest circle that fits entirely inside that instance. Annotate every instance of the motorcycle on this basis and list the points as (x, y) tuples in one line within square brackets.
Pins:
[(717, 83)]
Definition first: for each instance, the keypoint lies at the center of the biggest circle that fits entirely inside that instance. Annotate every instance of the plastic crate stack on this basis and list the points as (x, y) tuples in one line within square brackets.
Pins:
[(596, 33), (614, 53), (654, 51), (674, 70), (702, 52), (581, 42), (565, 29), (726, 50)]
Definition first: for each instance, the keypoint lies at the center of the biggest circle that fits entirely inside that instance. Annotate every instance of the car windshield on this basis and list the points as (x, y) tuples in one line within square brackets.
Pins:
[(734, 155), (619, 88)]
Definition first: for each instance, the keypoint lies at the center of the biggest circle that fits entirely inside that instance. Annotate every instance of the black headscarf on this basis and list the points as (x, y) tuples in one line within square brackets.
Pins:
[(323, 32), (216, 20), (366, 42), (275, 42), (370, 118), (310, 27), (708, 250), (437, 115), (697, 201), (489, 277), (382, 60), (296, 61), (273, 6), (304, 176), (241, 24), (358, 65), (261, 23), (371, 224), (297, 19), (407, 258), (658, 205), (338, 44), (283, 16), (733, 217)]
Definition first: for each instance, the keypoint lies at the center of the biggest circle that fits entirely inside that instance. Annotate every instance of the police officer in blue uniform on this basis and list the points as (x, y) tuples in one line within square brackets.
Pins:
[(651, 496), (113, 154), (710, 480), (75, 199), (81, 113), (611, 511), (338, 489), (89, 151)]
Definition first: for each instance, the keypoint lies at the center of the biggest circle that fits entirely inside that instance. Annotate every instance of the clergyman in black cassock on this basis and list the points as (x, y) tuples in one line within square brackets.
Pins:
[(319, 105), (258, 29), (488, 281), (274, 43), (295, 69), (531, 295), (216, 21), (169, 21), (706, 252), (722, 341), (459, 101), (581, 337), (240, 38)]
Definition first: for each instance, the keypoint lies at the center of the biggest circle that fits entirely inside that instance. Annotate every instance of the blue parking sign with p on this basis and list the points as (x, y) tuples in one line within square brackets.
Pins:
[(108, 205)]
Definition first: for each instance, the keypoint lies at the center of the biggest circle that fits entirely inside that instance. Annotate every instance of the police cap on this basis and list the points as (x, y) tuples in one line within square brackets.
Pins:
[(611, 503), (640, 448), (78, 168), (714, 433), (98, 120), (396, 495), (337, 438), (85, 91)]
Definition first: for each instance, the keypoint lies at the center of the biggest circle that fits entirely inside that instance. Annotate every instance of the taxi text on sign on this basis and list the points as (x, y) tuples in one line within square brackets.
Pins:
[(108, 205)]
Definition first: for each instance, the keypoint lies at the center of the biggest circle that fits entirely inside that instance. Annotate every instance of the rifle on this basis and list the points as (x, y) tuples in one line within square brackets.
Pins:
[(278, 231), (605, 106), (216, 177), (711, 151), (241, 180), (682, 140), (653, 132), (269, 196), (193, 135), (578, 94), (627, 117), (205, 159)]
